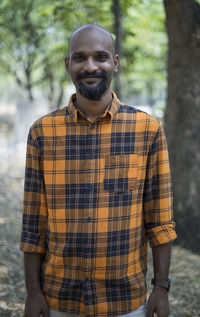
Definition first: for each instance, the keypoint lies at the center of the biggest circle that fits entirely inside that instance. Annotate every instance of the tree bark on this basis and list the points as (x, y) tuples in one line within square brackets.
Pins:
[(60, 96), (182, 119), (28, 82), (118, 43)]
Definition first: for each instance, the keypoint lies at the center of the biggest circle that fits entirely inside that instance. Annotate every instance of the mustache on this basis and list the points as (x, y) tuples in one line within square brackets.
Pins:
[(99, 74)]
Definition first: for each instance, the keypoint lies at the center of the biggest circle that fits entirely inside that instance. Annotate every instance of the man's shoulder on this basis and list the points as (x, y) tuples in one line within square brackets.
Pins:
[(138, 116), (46, 121)]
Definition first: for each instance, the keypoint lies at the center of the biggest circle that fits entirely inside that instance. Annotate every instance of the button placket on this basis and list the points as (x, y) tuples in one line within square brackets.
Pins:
[(89, 187)]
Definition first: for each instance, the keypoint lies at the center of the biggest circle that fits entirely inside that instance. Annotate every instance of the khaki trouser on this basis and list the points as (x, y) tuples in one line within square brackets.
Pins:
[(140, 312)]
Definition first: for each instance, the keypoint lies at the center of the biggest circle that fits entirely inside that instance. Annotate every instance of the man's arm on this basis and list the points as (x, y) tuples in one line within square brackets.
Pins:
[(34, 225), (35, 305), (158, 219), (158, 300)]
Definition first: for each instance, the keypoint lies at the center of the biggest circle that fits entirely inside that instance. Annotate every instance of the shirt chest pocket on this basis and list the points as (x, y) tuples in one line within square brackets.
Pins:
[(120, 172)]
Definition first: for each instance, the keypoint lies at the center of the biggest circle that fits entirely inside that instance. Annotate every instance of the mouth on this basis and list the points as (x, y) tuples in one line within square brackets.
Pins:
[(91, 80)]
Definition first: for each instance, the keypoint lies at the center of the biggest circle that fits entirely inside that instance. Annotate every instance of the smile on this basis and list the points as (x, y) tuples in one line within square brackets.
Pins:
[(91, 79)]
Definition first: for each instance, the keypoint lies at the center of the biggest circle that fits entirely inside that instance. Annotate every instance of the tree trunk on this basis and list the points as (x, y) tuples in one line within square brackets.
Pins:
[(182, 118), (28, 86), (60, 96), (118, 43)]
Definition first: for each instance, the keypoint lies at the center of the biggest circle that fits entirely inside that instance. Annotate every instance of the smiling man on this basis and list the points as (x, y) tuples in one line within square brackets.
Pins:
[(97, 189), (95, 67), (91, 64)]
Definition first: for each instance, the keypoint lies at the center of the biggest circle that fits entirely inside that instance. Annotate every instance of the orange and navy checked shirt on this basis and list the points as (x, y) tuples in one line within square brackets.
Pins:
[(94, 194)]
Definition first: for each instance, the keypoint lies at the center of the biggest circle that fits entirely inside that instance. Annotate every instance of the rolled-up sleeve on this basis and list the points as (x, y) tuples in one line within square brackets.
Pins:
[(34, 222), (158, 198)]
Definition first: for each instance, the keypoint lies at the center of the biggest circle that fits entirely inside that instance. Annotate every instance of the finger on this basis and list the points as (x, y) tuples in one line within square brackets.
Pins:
[(162, 312), (45, 313), (150, 311)]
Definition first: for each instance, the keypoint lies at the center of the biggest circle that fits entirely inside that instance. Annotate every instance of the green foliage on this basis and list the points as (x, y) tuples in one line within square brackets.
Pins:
[(34, 38), (22, 33), (145, 46)]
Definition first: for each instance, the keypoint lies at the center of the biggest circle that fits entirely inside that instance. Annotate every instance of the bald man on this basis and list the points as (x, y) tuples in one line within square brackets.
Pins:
[(97, 189)]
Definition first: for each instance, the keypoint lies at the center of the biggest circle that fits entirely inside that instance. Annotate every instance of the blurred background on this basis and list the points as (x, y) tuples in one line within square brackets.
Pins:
[(158, 42)]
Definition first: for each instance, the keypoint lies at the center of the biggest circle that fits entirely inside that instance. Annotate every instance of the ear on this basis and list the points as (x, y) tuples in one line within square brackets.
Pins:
[(67, 64), (116, 63)]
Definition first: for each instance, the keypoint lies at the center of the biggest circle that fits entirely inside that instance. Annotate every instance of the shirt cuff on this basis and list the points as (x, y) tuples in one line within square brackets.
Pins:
[(31, 242), (161, 234)]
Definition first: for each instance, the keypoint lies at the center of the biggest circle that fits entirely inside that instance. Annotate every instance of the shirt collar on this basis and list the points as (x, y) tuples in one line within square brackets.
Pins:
[(109, 112)]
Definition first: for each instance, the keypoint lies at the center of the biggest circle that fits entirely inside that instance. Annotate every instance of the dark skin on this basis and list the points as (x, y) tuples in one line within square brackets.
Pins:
[(35, 305), (158, 300), (91, 49)]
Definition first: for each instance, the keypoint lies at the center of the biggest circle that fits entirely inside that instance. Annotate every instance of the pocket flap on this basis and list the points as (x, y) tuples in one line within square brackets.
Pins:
[(120, 172)]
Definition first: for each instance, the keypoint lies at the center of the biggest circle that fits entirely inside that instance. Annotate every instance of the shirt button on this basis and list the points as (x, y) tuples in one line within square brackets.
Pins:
[(89, 188), (92, 126), (89, 219), (86, 279)]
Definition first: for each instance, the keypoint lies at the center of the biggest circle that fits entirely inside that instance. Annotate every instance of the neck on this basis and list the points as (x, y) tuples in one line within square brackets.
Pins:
[(93, 108)]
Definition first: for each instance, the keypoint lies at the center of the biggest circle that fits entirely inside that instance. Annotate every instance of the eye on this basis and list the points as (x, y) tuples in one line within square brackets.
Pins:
[(78, 58), (101, 58)]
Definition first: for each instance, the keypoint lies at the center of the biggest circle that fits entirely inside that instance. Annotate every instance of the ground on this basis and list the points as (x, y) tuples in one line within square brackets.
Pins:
[(185, 266)]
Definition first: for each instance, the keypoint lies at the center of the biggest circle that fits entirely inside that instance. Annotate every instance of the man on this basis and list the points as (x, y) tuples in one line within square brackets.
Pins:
[(97, 187)]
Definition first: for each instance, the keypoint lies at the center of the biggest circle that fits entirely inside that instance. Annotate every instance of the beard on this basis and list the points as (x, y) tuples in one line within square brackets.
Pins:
[(96, 92)]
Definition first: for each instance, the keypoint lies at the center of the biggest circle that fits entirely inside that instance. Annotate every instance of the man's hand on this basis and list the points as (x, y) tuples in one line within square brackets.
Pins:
[(36, 305), (158, 303)]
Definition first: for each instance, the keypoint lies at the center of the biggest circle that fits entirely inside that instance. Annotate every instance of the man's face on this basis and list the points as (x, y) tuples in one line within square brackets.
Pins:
[(91, 63)]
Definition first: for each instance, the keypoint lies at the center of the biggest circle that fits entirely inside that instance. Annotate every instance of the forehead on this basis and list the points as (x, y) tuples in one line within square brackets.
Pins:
[(91, 40)]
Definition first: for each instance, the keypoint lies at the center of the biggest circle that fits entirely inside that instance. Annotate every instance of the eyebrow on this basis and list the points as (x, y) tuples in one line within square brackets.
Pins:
[(96, 52)]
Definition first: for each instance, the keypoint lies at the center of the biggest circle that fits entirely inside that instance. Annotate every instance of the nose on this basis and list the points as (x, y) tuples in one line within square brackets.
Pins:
[(90, 65)]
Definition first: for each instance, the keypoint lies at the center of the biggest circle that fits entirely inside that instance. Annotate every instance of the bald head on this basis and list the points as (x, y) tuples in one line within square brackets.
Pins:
[(92, 29), (91, 61)]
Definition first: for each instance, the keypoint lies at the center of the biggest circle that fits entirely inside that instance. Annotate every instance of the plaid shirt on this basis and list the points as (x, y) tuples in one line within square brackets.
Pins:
[(94, 194)]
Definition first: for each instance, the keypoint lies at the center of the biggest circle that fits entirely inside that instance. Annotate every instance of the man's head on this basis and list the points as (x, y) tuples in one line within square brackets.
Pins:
[(91, 61)]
